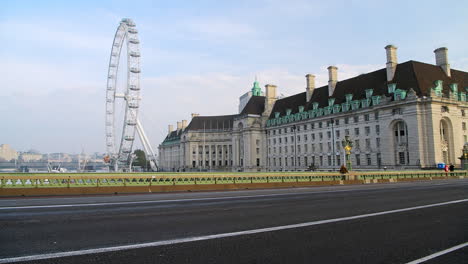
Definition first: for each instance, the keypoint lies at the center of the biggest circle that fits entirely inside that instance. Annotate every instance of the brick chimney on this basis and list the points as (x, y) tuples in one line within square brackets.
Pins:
[(170, 128), (310, 82), (441, 56), (391, 61), (332, 79), (184, 124), (179, 125)]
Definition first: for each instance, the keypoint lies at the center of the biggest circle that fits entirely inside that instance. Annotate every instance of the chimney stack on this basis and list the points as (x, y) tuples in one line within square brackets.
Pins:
[(170, 128), (441, 56), (184, 124), (332, 79), (391, 61), (270, 98), (179, 125), (194, 115), (310, 79)]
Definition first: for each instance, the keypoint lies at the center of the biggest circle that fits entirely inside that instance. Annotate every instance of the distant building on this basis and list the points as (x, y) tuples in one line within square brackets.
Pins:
[(408, 115), (7, 153), (30, 157)]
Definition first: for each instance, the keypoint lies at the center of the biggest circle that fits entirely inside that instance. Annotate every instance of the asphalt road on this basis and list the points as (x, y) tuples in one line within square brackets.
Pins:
[(385, 223)]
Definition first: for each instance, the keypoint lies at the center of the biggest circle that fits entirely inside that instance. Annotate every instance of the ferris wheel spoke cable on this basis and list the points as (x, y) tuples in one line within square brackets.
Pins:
[(120, 159)]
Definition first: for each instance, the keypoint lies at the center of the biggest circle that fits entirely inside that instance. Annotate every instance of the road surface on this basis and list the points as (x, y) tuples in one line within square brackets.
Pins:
[(376, 223)]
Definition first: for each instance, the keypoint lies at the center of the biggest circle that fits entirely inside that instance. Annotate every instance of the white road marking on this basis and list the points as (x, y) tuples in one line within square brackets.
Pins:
[(216, 236), (440, 253), (207, 198)]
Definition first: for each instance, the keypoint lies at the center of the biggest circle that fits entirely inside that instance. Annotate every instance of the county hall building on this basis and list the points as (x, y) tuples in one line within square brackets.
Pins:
[(409, 115)]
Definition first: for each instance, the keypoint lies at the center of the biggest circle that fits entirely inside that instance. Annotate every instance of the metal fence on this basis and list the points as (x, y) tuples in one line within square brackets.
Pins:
[(156, 179)]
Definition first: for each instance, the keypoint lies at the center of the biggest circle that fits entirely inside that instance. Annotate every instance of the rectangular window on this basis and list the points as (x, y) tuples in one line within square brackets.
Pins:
[(285, 149), (368, 146), (463, 125), (346, 120), (379, 160), (397, 111), (257, 142), (292, 139), (367, 130), (305, 148), (285, 140), (338, 160), (312, 126), (356, 144), (337, 132), (329, 160), (305, 161), (377, 142), (320, 124), (356, 131), (369, 160), (298, 128), (305, 127), (337, 122), (279, 140), (328, 134), (329, 146), (320, 135), (279, 160), (356, 119), (286, 162), (358, 160), (313, 147), (298, 138), (376, 115), (274, 162), (258, 151), (292, 149), (377, 129), (346, 132), (366, 117), (321, 147), (338, 145), (292, 161), (305, 138), (258, 162), (298, 148), (401, 157), (321, 160)]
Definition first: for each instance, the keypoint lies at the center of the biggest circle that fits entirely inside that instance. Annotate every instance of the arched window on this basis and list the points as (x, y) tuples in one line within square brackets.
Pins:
[(400, 133)]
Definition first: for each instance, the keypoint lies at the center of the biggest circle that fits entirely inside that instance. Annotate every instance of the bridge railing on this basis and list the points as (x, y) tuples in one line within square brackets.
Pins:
[(41, 180)]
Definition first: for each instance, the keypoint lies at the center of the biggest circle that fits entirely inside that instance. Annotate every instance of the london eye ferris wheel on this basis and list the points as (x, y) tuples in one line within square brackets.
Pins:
[(119, 148)]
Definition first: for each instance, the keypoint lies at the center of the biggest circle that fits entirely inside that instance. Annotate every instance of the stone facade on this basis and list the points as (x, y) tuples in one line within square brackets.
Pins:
[(406, 116)]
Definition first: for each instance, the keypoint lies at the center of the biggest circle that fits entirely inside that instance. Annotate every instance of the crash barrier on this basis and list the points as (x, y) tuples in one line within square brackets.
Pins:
[(74, 183)]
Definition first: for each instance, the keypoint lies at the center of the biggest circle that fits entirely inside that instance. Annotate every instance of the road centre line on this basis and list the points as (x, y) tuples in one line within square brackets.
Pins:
[(217, 236), (437, 254), (198, 199)]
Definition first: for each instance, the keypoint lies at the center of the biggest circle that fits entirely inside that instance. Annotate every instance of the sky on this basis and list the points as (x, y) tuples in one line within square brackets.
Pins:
[(197, 57)]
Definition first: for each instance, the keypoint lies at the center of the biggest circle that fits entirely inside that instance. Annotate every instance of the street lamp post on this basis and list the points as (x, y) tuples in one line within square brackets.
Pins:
[(347, 146)]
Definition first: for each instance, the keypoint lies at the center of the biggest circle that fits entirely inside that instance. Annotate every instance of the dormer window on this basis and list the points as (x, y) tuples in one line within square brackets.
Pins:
[(315, 105), (391, 87), (369, 93), (301, 108), (331, 101), (288, 111), (444, 109), (349, 97), (277, 114)]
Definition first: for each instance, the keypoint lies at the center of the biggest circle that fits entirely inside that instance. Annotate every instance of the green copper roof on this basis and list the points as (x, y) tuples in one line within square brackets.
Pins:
[(256, 91)]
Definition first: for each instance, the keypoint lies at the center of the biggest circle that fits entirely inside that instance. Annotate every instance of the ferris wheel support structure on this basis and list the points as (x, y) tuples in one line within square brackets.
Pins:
[(121, 158)]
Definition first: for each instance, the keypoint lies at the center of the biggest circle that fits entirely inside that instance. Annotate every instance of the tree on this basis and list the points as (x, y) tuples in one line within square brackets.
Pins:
[(140, 159)]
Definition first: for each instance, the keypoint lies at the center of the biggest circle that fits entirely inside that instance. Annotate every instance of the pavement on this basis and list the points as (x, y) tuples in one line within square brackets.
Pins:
[(374, 223)]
